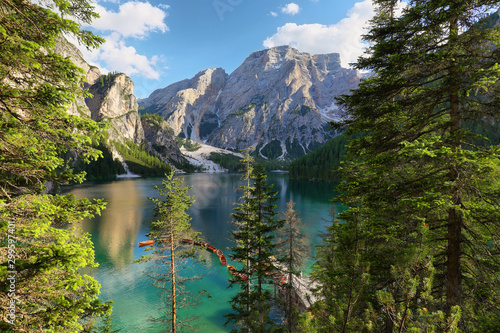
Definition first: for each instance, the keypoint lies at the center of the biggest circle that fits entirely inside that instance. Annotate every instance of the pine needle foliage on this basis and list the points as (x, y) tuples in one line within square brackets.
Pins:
[(256, 219), (292, 249), (423, 201), (43, 248), (172, 254)]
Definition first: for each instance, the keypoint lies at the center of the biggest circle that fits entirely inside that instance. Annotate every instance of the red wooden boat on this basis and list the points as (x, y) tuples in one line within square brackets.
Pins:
[(187, 241), (219, 253), (164, 240), (211, 248), (223, 260), (233, 272), (146, 243)]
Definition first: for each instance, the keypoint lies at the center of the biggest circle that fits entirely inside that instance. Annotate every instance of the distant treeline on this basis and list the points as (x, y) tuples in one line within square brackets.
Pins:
[(321, 164), (103, 168), (140, 161), (232, 163)]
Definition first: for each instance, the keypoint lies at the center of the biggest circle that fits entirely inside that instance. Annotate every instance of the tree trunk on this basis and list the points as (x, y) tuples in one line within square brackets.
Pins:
[(172, 257), (454, 250), (290, 281)]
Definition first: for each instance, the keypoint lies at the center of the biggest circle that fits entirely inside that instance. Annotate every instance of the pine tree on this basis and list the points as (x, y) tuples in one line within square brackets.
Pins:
[(172, 252), (254, 237), (292, 250), (342, 276), (425, 197)]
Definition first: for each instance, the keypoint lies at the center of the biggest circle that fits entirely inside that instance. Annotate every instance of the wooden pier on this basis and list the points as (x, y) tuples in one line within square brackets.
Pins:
[(302, 288)]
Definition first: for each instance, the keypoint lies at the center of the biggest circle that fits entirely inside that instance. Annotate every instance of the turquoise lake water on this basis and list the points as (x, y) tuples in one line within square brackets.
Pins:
[(126, 222)]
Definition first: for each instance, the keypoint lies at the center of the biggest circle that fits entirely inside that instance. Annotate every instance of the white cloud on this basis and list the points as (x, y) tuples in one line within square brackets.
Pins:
[(115, 55), (291, 9), (343, 37), (134, 19), (273, 14)]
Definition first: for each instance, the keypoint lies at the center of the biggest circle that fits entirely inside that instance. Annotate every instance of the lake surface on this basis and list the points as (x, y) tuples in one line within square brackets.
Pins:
[(126, 221)]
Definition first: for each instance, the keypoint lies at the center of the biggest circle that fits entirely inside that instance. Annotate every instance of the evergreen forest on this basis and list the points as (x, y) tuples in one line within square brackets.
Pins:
[(417, 248)]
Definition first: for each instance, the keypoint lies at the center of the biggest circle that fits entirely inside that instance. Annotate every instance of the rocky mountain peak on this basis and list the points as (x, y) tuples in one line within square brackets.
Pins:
[(279, 100)]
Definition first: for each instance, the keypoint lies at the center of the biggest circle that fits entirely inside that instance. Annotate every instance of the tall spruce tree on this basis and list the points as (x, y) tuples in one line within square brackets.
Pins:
[(43, 288), (173, 252), (257, 223), (342, 277), (425, 198)]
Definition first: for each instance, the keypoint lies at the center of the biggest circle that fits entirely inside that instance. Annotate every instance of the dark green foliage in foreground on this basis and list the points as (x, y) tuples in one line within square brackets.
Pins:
[(42, 244), (141, 161), (418, 248), (254, 237)]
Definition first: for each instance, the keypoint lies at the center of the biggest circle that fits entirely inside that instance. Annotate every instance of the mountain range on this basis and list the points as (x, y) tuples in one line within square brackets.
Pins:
[(278, 100)]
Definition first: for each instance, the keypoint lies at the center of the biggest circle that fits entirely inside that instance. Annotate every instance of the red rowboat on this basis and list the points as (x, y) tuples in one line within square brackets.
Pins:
[(219, 253), (146, 243), (164, 240), (211, 248), (233, 272), (223, 260)]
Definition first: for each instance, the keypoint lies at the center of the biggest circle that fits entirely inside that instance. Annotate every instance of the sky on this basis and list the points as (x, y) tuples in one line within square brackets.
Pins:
[(157, 43)]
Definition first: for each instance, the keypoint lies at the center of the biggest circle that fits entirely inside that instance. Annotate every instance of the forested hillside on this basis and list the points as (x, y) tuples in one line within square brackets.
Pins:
[(321, 164)]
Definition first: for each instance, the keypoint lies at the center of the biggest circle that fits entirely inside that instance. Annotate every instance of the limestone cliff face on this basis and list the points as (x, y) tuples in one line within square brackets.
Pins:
[(113, 100), (279, 100), (161, 138), (66, 49), (186, 105)]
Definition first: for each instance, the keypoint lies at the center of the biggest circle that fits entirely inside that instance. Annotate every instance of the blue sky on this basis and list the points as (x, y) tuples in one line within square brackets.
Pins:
[(157, 43)]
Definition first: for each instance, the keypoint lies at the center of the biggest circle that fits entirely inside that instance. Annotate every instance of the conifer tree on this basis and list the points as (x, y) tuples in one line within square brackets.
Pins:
[(173, 251), (292, 250), (254, 248), (42, 286), (425, 197)]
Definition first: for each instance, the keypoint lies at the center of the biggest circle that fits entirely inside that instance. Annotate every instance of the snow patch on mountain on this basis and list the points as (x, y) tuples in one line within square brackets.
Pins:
[(330, 113), (200, 158)]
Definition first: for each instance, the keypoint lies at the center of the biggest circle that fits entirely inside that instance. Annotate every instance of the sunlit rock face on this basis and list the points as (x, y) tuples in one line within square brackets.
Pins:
[(279, 100), (161, 138), (112, 100), (189, 105)]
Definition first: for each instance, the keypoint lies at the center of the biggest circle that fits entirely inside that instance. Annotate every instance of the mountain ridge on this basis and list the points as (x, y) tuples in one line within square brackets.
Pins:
[(278, 100)]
